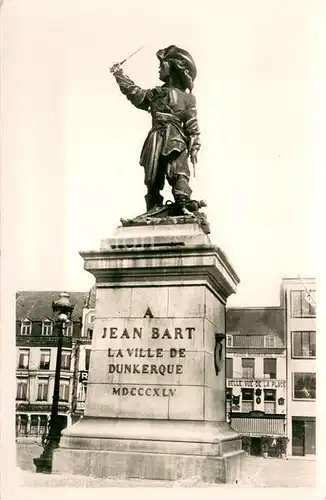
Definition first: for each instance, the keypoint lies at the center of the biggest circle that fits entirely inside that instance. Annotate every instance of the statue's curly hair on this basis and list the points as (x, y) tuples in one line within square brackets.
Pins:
[(185, 78)]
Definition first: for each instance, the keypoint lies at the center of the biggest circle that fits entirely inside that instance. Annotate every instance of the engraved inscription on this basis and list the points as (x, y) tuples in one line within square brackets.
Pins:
[(130, 360)]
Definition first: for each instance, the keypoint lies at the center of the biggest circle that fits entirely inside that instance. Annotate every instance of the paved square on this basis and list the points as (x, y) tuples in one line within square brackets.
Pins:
[(257, 472)]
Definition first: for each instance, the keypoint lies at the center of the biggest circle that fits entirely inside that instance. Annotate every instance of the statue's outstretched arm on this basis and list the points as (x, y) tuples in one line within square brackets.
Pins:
[(136, 95)]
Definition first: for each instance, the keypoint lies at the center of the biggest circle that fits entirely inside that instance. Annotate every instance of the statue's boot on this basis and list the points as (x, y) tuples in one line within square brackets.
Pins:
[(154, 201), (181, 201)]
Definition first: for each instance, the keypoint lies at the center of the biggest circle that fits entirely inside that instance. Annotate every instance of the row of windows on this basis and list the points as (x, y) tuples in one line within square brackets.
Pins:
[(47, 328), (35, 425), (254, 341), (45, 359), (42, 390), (248, 368), (38, 424), (267, 397), (303, 343)]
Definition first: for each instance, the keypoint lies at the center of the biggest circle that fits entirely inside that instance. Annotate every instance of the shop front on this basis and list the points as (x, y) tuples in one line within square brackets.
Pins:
[(261, 434), (32, 420), (303, 436)]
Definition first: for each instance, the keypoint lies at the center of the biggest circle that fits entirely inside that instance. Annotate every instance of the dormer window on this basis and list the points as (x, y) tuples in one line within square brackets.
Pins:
[(47, 327), (269, 341), (229, 341), (67, 332), (26, 327)]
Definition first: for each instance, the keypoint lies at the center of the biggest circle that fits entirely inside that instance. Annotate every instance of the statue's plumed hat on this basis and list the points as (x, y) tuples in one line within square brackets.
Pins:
[(182, 61)]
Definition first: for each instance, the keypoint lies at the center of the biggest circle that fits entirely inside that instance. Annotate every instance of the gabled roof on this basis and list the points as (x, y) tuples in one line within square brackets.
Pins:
[(91, 298), (37, 306), (255, 321)]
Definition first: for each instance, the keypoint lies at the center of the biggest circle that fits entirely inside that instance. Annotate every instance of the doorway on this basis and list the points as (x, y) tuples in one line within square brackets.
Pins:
[(255, 446), (298, 437), (303, 436)]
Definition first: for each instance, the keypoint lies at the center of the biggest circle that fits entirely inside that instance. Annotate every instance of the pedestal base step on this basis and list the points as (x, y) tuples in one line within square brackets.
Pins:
[(157, 466), (150, 449)]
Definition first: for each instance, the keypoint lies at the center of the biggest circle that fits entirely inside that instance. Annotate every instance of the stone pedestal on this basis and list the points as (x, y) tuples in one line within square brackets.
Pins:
[(155, 406)]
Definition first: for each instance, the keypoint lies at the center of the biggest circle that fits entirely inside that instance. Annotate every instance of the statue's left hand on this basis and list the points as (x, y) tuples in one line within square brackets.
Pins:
[(193, 156)]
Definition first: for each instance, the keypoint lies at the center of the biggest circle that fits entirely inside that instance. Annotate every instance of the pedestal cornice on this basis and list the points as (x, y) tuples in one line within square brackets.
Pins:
[(163, 263)]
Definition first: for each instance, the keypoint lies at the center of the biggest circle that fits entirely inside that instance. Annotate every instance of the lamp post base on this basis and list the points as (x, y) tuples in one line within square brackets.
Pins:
[(43, 463)]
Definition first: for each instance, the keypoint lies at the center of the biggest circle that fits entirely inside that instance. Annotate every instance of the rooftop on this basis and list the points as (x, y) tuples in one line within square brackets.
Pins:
[(255, 321), (38, 305)]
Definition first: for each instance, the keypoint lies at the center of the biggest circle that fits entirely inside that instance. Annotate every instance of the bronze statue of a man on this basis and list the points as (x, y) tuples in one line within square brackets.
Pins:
[(174, 135)]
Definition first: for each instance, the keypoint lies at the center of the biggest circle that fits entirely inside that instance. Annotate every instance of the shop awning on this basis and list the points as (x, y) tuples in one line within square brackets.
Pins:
[(258, 426)]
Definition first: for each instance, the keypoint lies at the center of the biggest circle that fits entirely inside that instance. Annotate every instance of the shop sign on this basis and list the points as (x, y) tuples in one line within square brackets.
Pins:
[(83, 376), (257, 413), (41, 408), (262, 383)]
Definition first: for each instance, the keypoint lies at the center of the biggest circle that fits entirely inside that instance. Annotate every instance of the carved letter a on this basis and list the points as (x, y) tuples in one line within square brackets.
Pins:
[(148, 313)]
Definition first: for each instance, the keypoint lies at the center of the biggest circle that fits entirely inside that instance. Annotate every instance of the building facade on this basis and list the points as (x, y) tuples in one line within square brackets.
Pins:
[(270, 368), (300, 328), (256, 377), (83, 349), (36, 354)]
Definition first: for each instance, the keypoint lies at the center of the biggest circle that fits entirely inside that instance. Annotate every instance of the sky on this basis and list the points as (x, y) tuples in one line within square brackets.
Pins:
[(71, 141)]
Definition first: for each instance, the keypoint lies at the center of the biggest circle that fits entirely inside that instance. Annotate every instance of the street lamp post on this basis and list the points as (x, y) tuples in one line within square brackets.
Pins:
[(62, 310)]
